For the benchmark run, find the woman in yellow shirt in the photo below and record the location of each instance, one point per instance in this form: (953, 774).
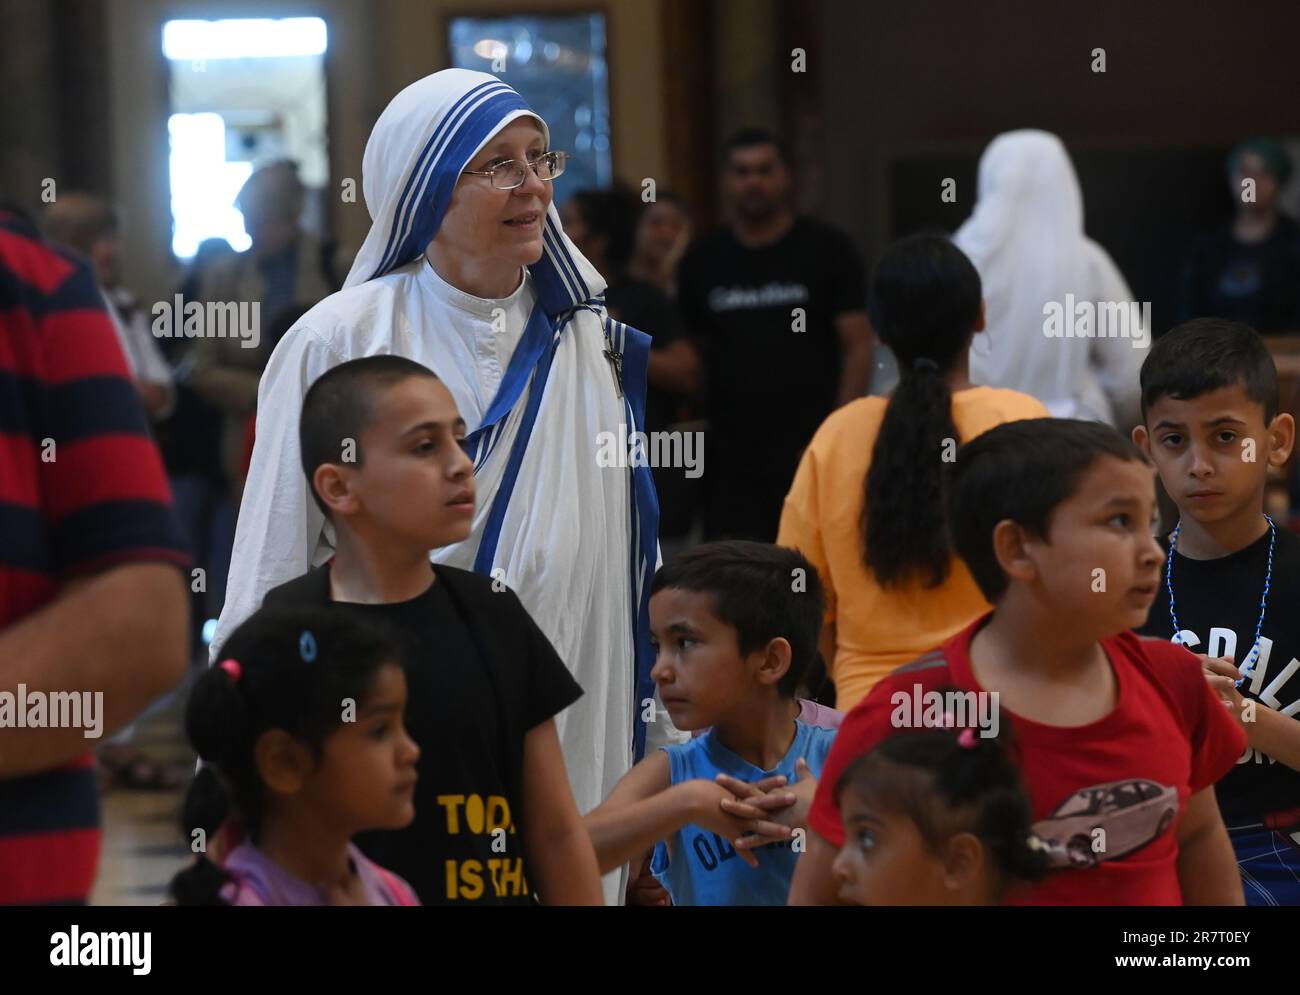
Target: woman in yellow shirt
(867, 502)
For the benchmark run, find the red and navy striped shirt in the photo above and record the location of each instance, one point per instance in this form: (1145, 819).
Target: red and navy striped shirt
(102, 500)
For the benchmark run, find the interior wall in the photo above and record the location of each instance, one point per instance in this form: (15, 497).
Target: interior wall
(689, 62)
(375, 49)
(934, 77)
(83, 98)
(138, 77)
(289, 89)
(53, 101)
(28, 102)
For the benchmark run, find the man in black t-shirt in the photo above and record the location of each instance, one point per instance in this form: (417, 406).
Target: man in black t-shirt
(776, 306)
(495, 819)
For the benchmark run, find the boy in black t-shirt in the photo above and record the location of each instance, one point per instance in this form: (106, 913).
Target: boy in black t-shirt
(495, 818)
(1212, 427)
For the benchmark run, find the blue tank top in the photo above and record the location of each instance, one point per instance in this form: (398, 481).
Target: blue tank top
(704, 868)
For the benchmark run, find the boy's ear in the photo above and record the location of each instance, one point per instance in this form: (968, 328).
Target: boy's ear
(282, 762)
(1281, 439)
(1010, 550)
(979, 322)
(776, 660)
(333, 483)
(1142, 439)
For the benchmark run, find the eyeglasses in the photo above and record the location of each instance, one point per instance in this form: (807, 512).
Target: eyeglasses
(510, 174)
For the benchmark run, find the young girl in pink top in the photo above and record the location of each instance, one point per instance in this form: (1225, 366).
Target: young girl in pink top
(300, 730)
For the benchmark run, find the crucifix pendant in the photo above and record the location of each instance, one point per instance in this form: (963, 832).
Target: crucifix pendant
(616, 364)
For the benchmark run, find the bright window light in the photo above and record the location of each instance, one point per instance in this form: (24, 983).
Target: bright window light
(204, 184)
(243, 38)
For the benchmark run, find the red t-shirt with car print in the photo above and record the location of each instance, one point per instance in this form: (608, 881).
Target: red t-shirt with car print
(1129, 774)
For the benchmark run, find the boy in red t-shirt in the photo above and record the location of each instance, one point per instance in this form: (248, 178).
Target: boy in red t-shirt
(1120, 739)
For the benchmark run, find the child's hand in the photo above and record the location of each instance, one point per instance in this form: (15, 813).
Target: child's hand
(709, 814)
(1222, 677)
(645, 889)
(788, 807)
(758, 799)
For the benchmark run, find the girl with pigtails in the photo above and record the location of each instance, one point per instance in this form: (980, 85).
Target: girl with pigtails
(299, 728)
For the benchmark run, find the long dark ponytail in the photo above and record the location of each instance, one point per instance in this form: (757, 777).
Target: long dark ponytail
(924, 303)
(289, 669)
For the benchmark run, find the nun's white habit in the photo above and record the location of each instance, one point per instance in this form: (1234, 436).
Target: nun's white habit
(1026, 239)
(537, 376)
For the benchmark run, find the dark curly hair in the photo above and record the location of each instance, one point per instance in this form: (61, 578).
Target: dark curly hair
(295, 667)
(945, 789)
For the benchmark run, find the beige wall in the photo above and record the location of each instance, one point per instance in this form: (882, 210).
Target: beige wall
(374, 50)
(28, 107)
(750, 67)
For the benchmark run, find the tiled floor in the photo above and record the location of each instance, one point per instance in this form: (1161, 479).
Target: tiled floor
(143, 844)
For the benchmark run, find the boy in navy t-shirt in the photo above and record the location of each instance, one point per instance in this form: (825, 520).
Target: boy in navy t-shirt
(735, 625)
(1213, 427)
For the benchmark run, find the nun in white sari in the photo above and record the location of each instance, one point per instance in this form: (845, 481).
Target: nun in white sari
(480, 283)
(1060, 322)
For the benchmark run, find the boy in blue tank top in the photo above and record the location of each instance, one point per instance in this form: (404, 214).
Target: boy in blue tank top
(735, 626)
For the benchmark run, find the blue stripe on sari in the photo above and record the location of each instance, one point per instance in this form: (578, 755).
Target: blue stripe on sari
(635, 346)
(487, 547)
(429, 210)
(401, 216)
(578, 287)
(564, 289)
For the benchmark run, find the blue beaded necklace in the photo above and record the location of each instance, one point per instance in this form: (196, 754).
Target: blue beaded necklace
(1263, 601)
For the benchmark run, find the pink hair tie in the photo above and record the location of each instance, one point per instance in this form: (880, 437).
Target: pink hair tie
(967, 739)
(232, 668)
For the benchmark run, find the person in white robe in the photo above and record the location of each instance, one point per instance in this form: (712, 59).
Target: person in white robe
(481, 285)
(1060, 320)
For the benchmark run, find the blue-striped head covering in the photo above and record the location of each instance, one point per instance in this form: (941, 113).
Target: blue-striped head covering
(422, 141)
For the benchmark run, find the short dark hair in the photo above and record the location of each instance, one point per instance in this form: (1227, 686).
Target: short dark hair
(755, 591)
(340, 405)
(1021, 471)
(749, 137)
(1205, 354)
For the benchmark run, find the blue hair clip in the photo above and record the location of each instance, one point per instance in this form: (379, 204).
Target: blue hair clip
(307, 646)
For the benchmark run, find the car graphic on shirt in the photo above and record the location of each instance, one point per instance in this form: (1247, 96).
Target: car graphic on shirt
(1130, 813)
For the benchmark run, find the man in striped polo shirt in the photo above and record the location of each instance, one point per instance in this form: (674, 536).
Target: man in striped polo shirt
(93, 597)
